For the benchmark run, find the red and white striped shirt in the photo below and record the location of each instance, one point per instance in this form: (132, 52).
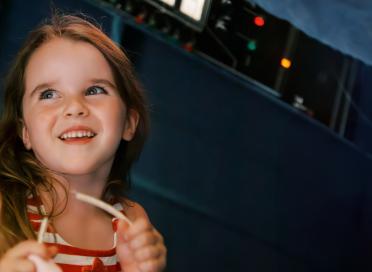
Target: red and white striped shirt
(70, 258)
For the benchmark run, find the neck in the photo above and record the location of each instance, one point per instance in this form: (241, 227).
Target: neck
(90, 184)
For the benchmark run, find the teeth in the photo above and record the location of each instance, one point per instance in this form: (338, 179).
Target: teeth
(77, 134)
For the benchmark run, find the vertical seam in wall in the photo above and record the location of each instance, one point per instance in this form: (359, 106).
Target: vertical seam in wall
(116, 28)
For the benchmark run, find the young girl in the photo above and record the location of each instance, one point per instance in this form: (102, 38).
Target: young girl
(74, 119)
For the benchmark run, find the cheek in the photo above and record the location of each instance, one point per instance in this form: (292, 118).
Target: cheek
(40, 124)
(114, 118)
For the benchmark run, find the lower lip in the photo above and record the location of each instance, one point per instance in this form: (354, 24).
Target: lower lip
(78, 141)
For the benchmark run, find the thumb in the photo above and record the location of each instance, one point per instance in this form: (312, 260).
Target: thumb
(123, 228)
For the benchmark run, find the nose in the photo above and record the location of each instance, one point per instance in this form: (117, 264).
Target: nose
(75, 108)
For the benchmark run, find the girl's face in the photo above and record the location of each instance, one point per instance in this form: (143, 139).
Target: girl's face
(74, 117)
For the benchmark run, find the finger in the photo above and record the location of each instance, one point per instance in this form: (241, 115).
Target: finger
(151, 265)
(52, 251)
(28, 247)
(149, 252)
(123, 225)
(122, 229)
(143, 239)
(163, 262)
(138, 226)
(159, 236)
(24, 265)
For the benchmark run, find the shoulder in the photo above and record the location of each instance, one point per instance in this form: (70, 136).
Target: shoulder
(133, 210)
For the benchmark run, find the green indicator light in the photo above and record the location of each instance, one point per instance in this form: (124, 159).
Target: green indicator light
(251, 45)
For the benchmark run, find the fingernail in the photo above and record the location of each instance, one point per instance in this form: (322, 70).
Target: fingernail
(53, 250)
(125, 223)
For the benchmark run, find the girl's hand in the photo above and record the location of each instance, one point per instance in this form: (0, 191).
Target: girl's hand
(15, 259)
(140, 247)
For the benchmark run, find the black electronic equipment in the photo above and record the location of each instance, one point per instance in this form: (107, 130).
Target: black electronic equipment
(246, 40)
(193, 13)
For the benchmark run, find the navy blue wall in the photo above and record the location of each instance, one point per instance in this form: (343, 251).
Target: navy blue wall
(233, 178)
(19, 17)
(248, 184)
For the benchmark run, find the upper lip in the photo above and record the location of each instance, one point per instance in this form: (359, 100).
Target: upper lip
(77, 128)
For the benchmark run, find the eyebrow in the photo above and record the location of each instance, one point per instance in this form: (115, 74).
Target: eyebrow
(103, 81)
(48, 85)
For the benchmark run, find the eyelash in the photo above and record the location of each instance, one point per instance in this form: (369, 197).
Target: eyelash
(102, 90)
(44, 94)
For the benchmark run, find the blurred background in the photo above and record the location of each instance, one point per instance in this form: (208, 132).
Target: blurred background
(259, 157)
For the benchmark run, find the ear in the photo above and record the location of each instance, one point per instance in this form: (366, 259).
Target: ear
(25, 136)
(130, 125)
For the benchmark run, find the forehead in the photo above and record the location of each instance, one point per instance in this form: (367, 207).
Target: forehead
(62, 59)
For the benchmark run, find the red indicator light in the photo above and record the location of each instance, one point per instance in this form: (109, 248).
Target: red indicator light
(140, 18)
(259, 21)
(189, 46)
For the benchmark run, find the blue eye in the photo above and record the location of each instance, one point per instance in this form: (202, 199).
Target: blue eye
(95, 90)
(48, 94)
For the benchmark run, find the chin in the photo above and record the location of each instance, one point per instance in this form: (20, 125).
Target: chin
(80, 167)
(74, 170)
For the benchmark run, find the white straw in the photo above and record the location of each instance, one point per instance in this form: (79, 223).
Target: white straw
(102, 205)
(42, 229)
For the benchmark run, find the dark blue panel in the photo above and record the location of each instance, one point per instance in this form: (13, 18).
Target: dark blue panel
(223, 148)
(20, 17)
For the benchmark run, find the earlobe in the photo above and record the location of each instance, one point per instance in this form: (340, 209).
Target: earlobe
(131, 125)
(25, 137)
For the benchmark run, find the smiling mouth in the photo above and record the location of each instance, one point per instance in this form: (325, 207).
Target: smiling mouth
(80, 135)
